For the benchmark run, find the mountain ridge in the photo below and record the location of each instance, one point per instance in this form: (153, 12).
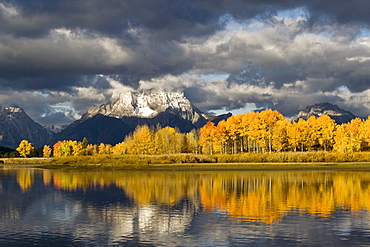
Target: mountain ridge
(16, 125)
(110, 122)
(148, 104)
(155, 107)
(333, 111)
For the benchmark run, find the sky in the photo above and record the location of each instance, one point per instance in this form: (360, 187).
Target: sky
(60, 57)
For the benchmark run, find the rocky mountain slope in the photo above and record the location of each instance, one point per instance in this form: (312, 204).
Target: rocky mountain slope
(149, 104)
(130, 109)
(16, 125)
(112, 121)
(339, 115)
(97, 129)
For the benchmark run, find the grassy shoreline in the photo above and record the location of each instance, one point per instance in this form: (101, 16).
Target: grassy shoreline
(306, 160)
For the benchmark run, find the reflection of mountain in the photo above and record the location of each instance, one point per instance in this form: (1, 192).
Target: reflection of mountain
(179, 208)
(265, 197)
(68, 208)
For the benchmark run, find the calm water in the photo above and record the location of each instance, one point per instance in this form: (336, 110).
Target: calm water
(239, 208)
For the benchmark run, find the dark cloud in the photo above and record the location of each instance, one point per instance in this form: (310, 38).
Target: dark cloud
(173, 18)
(70, 51)
(340, 11)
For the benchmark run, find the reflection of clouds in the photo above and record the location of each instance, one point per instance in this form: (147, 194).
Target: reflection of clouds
(150, 223)
(154, 220)
(119, 220)
(86, 218)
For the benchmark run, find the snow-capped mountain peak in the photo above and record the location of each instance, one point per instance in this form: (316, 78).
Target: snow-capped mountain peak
(147, 104)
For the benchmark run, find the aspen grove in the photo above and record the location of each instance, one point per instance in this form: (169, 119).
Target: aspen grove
(253, 132)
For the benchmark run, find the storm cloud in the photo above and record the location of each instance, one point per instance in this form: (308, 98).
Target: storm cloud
(58, 58)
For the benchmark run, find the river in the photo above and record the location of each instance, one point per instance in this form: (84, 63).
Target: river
(42, 207)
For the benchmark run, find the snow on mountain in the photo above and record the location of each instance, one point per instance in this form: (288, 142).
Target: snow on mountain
(112, 121)
(148, 104)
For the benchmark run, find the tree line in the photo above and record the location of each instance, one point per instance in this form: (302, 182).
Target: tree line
(253, 132)
(268, 131)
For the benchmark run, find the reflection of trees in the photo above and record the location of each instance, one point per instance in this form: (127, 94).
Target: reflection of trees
(256, 196)
(163, 187)
(25, 179)
(268, 197)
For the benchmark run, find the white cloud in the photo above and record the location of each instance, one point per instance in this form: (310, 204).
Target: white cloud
(9, 11)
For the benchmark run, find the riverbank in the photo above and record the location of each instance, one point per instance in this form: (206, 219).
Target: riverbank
(186, 162)
(25, 161)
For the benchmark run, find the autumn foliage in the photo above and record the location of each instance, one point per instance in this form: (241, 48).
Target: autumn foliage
(269, 131)
(262, 132)
(265, 197)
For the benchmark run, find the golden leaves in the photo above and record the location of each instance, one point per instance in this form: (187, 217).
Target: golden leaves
(25, 148)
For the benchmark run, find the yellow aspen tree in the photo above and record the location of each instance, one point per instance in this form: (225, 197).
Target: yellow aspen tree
(224, 137)
(77, 148)
(119, 148)
(312, 132)
(180, 143)
(165, 141)
(104, 148)
(131, 145)
(365, 133)
(206, 137)
(142, 141)
(217, 139)
(56, 149)
(234, 128)
(25, 148)
(340, 139)
(245, 131)
(92, 149)
(279, 135)
(101, 148)
(348, 137)
(183, 143)
(303, 131)
(65, 148)
(325, 131)
(293, 135)
(46, 151)
(269, 119)
(159, 141)
(354, 135)
(193, 141)
(257, 133)
(297, 134)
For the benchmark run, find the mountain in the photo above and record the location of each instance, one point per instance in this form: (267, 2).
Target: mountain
(217, 119)
(97, 129)
(16, 125)
(110, 122)
(339, 115)
(148, 104)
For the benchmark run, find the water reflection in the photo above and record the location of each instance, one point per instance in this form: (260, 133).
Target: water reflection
(172, 208)
(265, 196)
